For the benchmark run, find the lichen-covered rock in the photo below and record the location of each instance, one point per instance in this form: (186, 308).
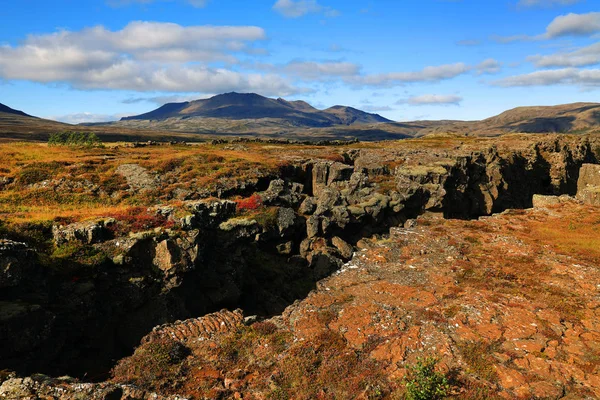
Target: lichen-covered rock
(209, 213)
(138, 178)
(588, 185)
(241, 227)
(541, 201)
(87, 232)
(197, 328)
(344, 248)
(282, 193)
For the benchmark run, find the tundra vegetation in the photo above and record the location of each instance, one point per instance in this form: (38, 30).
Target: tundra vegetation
(446, 306)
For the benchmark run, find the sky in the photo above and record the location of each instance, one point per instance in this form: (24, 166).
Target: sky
(99, 60)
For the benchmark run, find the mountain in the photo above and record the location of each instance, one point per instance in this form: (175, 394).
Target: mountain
(564, 118)
(543, 119)
(8, 110)
(251, 106)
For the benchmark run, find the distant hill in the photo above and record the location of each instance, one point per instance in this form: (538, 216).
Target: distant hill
(547, 119)
(564, 118)
(251, 115)
(8, 110)
(251, 106)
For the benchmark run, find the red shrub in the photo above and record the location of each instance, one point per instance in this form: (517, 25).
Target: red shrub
(251, 203)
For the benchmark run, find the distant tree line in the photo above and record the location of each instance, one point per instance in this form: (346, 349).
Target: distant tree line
(75, 139)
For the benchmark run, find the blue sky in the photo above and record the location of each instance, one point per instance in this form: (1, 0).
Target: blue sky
(96, 60)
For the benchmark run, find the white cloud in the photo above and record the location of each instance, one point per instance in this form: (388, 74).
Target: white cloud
(489, 66)
(574, 24)
(300, 8)
(567, 76)
(86, 117)
(427, 74)
(545, 3)
(143, 56)
(432, 99)
(585, 56)
(563, 25)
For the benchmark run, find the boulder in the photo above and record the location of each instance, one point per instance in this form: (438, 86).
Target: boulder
(346, 251)
(588, 185)
(282, 193)
(308, 206)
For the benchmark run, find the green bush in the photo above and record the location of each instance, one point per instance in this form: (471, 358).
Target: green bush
(79, 139)
(424, 383)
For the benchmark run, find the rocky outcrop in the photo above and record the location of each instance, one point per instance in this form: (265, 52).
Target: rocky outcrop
(213, 255)
(588, 185)
(43, 387)
(541, 201)
(88, 232)
(197, 328)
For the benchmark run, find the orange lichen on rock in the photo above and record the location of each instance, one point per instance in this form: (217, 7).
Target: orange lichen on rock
(507, 314)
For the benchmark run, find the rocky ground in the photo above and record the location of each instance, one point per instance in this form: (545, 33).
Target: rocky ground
(505, 303)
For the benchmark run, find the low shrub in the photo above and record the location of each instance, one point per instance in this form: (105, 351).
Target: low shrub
(250, 203)
(152, 363)
(78, 139)
(423, 382)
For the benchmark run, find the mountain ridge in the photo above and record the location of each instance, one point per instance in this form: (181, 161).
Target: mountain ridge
(236, 106)
(6, 109)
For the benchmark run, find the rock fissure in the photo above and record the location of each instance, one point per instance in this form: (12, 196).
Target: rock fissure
(216, 255)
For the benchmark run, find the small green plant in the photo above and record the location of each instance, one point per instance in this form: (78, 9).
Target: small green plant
(423, 382)
(75, 139)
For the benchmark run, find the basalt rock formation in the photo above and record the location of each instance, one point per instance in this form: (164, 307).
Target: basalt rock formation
(213, 254)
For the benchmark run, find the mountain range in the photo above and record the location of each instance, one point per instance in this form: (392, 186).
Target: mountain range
(239, 106)
(252, 115)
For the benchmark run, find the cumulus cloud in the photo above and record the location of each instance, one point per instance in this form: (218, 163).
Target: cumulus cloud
(574, 24)
(585, 56)
(563, 25)
(566, 76)
(143, 56)
(545, 3)
(432, 99)
(300, 8)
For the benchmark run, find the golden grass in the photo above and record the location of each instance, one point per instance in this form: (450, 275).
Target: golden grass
(578, 235)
